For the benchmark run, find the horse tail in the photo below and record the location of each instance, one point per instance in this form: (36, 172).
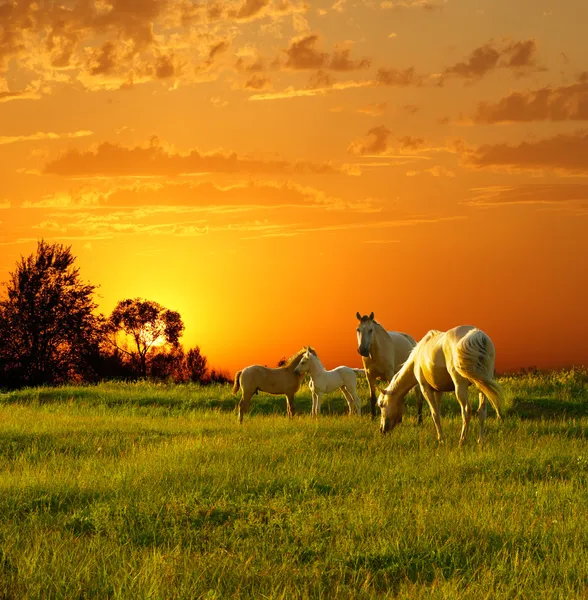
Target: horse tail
(492, 390)
(237, 383)
(474, 360)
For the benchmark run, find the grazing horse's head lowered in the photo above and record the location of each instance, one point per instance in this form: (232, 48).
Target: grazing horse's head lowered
(392, 408)
(365, 331)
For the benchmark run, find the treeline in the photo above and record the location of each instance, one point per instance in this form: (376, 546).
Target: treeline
(51, 332)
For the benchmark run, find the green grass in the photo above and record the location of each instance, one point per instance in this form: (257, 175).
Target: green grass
(155, 491)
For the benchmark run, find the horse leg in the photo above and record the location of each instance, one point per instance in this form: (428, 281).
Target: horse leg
(419, 404)
(461, 391)
(244, 404)
(356, 399)
(313, 411)
(319, 400)
(433, 399)
(290, 405)
(373, 397)
(482, 410)
(348, 397)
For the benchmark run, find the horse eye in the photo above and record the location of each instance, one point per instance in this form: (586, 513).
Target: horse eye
(357, 330)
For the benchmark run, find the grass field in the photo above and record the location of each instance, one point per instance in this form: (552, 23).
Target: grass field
(154, 491)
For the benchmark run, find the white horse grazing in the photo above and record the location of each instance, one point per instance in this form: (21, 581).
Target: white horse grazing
(445, 362)
(383, 353)
(323, 381)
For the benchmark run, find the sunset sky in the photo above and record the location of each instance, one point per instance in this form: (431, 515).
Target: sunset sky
(270, 167)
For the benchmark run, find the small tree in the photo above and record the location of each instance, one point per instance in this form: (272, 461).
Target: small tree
(48, 330)
(196, 365)
(148, 325)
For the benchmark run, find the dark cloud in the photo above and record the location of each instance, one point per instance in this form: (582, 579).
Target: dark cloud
(564, 103)
(397, 77)
(103, 59)
(564, 153)
(258, 82)
(154, 160)
(492, 55)
(303, 54)
(411, 143)
(164, 67)
(375, 142)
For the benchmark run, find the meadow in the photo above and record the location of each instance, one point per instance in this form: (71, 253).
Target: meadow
(145, 490)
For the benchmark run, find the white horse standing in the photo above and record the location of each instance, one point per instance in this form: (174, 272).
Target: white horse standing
(323, 381)
(446, 362)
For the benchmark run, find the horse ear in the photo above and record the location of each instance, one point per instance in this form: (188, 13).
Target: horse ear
(358, 316)
(371, 316)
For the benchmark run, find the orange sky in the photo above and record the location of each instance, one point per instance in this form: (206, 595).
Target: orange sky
(269, 167)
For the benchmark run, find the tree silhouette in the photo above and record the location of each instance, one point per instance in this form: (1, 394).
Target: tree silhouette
(48, 329)
(196, 365)
(148, 324)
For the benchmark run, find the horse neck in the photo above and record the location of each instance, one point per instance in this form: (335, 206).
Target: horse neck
(380, 342)
(315, 367)
(405, 379)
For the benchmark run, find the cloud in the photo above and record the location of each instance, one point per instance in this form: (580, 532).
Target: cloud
(566, 154)
(189, 197)
(303, 54)
(424, 4)
(42, 135)
(397, 77)
(519, 56)
(292, 92)
(114, 160)
(564, 103)
(375, 142)
(373, 110)
(562, 194)
(112, 44)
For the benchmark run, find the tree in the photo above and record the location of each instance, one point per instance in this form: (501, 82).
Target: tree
(196, 365)
(48, 330)
(148, 325)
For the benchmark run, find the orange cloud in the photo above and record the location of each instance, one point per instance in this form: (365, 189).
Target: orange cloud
(302, 54)
(512, 55)
(113, 160)
(375, 142)
(564, 103)
(557, 193)
(398, 77)
(564, 153)
(42, 135)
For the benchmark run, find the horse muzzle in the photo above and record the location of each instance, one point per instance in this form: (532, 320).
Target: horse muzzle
(363, 352)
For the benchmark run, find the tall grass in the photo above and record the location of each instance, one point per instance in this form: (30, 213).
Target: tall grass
(153, 491)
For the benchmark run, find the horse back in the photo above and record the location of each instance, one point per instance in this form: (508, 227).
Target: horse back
(269, 380)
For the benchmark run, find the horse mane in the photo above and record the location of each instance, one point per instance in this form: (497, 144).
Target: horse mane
(295, 358)
(409, 362)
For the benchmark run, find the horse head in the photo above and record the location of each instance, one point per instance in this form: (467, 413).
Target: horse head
(303, 363)
(392, 407)
(365, 332)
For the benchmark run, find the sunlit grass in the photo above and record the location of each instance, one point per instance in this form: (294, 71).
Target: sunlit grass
(155, 491)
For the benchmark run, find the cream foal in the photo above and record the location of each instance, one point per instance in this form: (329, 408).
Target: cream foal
(323, 381)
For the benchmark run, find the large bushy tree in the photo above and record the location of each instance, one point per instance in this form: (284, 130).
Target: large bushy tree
(147, 325)
(49, 331)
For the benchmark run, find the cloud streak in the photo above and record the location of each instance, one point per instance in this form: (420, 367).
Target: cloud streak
(114, 160)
